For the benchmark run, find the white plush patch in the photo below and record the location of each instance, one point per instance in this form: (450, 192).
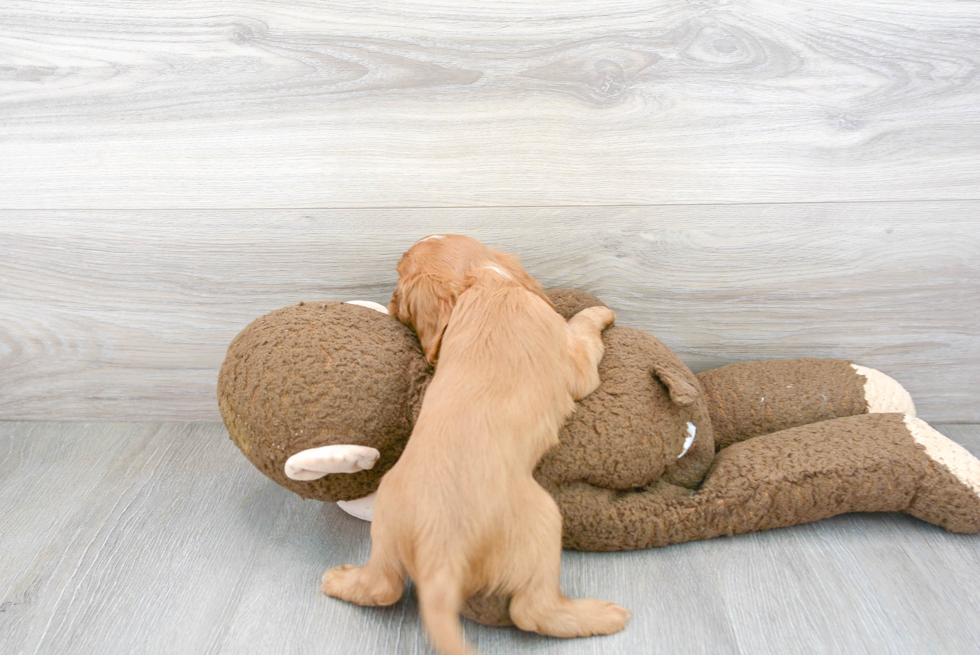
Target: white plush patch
(884, 394)
(315, 463)
(954, 457)
(362, 508)
(692, 431)
(370, 304)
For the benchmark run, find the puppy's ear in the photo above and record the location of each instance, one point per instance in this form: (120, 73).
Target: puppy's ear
(512, 265)
(426, 301)
(394, 307)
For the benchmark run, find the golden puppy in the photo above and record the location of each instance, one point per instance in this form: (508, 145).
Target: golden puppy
(460, 511)
(432, 274)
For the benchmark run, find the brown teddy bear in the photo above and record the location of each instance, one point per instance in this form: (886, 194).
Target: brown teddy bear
(321, 397)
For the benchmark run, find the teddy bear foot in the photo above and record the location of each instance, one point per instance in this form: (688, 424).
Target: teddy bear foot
(949, 494)
(883, 394)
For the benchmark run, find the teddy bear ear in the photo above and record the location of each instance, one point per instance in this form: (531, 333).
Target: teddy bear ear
(315, 463)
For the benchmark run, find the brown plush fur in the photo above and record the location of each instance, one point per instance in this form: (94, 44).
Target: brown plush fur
(281, 391)
(460, 512)
(756, 398)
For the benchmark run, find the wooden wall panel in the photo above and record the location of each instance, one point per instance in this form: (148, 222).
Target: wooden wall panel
(294, 104)
(127, 314)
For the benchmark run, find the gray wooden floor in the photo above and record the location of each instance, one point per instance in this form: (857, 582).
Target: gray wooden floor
(161, 538)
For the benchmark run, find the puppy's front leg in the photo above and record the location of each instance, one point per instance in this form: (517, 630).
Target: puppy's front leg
(586, 348)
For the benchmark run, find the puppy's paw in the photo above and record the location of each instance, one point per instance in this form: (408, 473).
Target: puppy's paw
(362, 585)
(601, 317)
(607, 318)
(607, 618)
(336, 581)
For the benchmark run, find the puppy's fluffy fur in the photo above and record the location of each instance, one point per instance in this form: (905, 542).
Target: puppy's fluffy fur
(460, 511)
(432, 275)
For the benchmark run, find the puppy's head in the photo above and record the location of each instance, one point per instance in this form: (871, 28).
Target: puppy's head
(424, 300)
(434, 273)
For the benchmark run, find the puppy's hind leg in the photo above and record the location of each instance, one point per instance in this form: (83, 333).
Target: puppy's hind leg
(539, 605)
(381, 582)
(369, 585)
(586, 348)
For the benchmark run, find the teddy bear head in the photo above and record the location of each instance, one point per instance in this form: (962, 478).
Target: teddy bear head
(352, 378)
(323, 374)
(630, 433)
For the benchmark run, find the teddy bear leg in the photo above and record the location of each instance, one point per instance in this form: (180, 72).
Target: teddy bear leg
(749, 399)
(949, 492)
(863, 463)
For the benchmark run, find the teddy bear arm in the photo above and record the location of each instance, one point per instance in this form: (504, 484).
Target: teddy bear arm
(749, 399)
(660, 514)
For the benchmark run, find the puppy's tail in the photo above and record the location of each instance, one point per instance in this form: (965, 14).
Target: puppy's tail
(440, 600)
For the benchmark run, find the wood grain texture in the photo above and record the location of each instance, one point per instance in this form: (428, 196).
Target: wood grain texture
(161, 538)
(123, 538)
(131, 320)
(179, 104)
